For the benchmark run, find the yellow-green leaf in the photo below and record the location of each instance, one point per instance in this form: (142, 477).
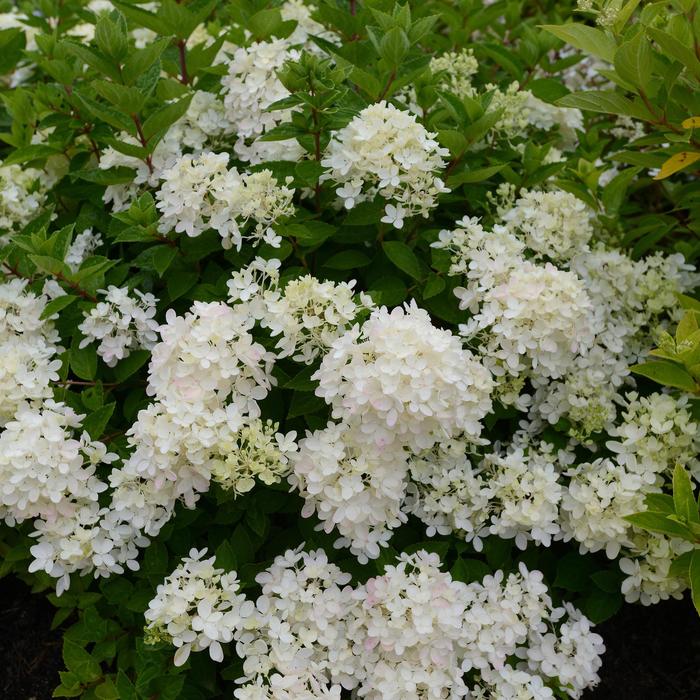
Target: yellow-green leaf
(691, 123)
(677, 162)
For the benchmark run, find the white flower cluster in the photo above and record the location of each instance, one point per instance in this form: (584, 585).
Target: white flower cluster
(28, 347)
(82, 247)
(527, 318)
(206, 375)
(395, 384)
(385, 151)
(412, 632)
(306, 315)
(455, 71)
(203, 123)
(200, 193)
(629, 298)
(400, 379)
(249, 88)
(49, 475)
(22, 196)
(546, 116)
(123, 322)
(43, 470)
(554, 225)
(197, 607)
(298, 630)
(353, 487)
(656, 433)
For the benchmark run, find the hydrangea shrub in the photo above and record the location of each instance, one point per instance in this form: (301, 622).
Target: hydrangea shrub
(349, 349)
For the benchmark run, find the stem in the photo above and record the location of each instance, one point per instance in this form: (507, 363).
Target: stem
(353, 7)
(143, 140)
(387, 86)
(182, 47)
(76, 287)
(317, 154)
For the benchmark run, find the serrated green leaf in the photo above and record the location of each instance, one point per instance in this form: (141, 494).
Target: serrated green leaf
(79, 662)
(666, 373)
(57, 304)
(403, 258)
(659, 522)
(347, 260)
(589, 39)
(683, 497)
(95, 423)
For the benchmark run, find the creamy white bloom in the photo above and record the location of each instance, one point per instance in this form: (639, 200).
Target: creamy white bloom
(199, 193)
(249, 88)
(555, 224)
(123, 322)
(43, 468)
(197, 607)
(385, 151)
(298, 628)
(305, 316)
(22, 195)
(29, 346)
(353, 487)
(207, 357)
(82, 246)
(401, 379)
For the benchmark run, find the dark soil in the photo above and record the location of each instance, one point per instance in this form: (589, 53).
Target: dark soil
(652, 653)
(30, 653)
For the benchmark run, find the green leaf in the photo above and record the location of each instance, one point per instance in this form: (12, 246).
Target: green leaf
(694, 576)
(302, 381)
(599, 606)
(181, 281)
(111, 36)
(226, 556)
(107, 691)
(680, 566)
(633, 61)
(125, 687)
(605, 101)
(659, 522)
(574, 571)
(161, 120)
(106, 113)
(57, 304)
(434, 285)
(660, 502)
(29, 153)
(471, 176)
(469, 570)
(304, 403)
(50, 266)
(127, 99)
(683, 496)
(675, 49)
(666, 373)
(119, 175)
(96, 422)
(140, 60)
(162, 258)
(589, 39)
(80, 662)
(83, 362)
(126, 367)
(394, 46)
(93, 59)
(347, 260)
(403, 257)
